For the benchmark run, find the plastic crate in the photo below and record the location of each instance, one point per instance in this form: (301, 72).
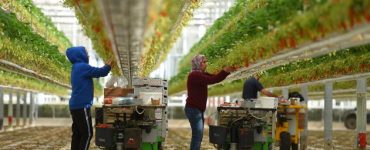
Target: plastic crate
(149, 82)
(217, 134)
(104, 137)
(150, 89)
(132, 138)
(99, 115)
(246, 138)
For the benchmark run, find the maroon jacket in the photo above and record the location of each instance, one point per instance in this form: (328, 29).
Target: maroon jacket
(198, 88)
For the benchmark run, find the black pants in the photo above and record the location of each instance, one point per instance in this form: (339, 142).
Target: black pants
(1, 123)
(82, 130)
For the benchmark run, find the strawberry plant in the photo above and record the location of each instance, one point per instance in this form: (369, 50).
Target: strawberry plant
(27, 12)
(300, 29)
(88, 15)
(24, 47)
(345, 62)
(165, 25)
(15, 80)
(168, 29)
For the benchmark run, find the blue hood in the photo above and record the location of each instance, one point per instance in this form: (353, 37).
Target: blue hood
(77, 55)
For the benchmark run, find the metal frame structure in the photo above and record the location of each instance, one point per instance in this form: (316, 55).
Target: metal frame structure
(357, 36)
(360, 35)
(338, 79)
(21, 95)
(126, 20)
(328, 105)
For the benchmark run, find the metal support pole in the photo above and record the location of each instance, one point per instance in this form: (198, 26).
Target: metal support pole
(1, 108)
(328, 116)
(53, 110)
(24, 115)
(304, 139)
(361, 114)
(18, 109)
(32, 109)
(285, 92)
(172, 112)
(10, 109)
(36, 106)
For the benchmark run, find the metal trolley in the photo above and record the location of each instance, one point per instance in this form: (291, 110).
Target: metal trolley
(243, 128)
(130, 127)
(136, 118)
(289, 125)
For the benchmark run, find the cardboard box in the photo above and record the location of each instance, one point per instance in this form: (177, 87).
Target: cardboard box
(117, 92)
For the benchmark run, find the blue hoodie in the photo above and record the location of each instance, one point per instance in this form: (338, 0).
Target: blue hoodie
(81, 78)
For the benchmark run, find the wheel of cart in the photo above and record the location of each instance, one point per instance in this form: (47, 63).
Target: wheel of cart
(285, 141)
(294, 146)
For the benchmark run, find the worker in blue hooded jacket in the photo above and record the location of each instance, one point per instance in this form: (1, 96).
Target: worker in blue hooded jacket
(82, 75)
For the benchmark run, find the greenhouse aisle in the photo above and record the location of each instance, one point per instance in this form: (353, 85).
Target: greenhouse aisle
(147, 61)
(58, 136)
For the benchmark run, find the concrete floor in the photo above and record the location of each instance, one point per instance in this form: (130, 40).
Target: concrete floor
(50, 122)
(46, 129)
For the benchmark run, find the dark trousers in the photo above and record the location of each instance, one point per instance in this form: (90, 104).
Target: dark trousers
(1, 123)
(82, 130)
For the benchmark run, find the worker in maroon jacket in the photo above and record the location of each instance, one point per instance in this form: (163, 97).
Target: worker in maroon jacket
(198, 80)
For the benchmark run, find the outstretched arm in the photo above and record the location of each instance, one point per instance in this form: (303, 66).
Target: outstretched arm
(100, 72)
(268, 93)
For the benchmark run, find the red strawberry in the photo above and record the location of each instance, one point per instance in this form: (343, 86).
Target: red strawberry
(107, 44)
(164, 14)
(352, 17)
(96, 28)
(261, 52)
(322, 31)
(343, 25)
(367, 16)
(301, 32)
(246, 63)
(282, 43)
(158, 33)
(292, 42)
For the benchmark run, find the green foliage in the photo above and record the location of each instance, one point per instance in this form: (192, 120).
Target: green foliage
(178, 82)
(28, 13)
(15, 80)
(242, 26)
(24, 47)
(88, 15)
(167, 30)
(282, 29)
(344, 62)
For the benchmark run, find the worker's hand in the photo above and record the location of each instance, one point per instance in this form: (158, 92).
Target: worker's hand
(281, 99)
(229, 69)
(110, 62)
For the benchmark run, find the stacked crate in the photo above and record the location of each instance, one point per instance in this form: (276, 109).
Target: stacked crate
(151, 85)
(155, 86)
